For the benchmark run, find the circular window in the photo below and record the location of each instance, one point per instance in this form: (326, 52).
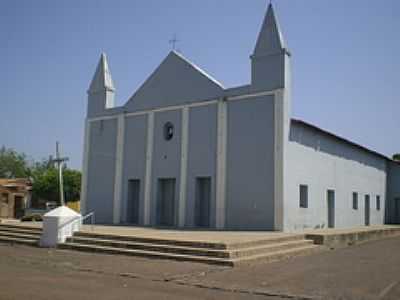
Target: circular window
(168, 131)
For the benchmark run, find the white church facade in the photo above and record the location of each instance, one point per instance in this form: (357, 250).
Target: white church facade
(186, 152)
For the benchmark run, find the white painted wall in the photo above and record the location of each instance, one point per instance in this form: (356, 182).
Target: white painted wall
(323, 163)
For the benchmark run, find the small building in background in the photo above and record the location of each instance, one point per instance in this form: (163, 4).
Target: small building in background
(15, 197)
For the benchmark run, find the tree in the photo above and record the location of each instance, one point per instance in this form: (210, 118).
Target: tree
(396, 157)
(43, 174)
(72, 184)
(13, 164)
(46, 186)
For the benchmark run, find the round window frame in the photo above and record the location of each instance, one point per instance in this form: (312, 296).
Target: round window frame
(168, 131)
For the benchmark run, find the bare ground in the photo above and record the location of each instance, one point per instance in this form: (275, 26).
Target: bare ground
(368, 271)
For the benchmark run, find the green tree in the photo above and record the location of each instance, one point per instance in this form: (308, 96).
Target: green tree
(396, 157)
(43, 174)
(46, 186)
(13, 164)
(72, 184)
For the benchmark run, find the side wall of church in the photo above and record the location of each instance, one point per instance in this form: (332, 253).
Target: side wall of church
(101, 169)
(323, 163)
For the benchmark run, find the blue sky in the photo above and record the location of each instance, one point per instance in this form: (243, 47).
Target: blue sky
(346, 63)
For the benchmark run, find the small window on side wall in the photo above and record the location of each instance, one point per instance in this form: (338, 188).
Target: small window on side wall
(304, 196)
(355, 200)
(378, 203)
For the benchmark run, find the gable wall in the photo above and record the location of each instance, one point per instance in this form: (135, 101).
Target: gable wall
(174, 82)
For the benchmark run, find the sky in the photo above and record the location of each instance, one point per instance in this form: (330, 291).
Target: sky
(345, 61)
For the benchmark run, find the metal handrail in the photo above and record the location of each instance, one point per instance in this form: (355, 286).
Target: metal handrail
(92, 219)
(89, 215)
(69, 222)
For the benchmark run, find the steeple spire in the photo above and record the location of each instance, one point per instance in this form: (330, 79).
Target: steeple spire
(102, 78)
(270, 39)
(101, 90)
(270, 62)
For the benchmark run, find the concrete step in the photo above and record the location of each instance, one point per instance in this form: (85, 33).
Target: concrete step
(147, 254)
(269, 248)
(192, 244)
(339, 238)
(19, 235)
(267, 241)
(278, 255)
(268, 256)
(18, 240)
(219, 253)
(183, 243)
(120, 244)
(6, 226)
(20, 231)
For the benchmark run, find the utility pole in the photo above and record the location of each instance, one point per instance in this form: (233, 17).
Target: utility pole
(60, 161)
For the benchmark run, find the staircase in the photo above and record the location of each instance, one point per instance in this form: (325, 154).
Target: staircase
(19, 234)
(270, 249)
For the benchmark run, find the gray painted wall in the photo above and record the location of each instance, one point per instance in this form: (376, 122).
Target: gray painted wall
(175, 81)
(250, 164)
(166, 156)
(323, 163)
(202, 151)
(101, 170)
(393, 193)
(134, 160)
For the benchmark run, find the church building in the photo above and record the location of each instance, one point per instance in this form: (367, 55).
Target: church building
(186, 152)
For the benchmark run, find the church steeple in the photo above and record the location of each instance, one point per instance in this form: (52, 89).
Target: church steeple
(270, 39)
(101, 90)
(270, 57)
(102, 77)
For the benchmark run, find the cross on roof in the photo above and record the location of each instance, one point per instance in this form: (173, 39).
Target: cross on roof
(174, 41)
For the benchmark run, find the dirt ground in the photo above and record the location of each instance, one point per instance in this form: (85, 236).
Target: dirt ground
(368, 271)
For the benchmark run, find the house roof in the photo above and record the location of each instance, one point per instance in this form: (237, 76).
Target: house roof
(17, 183)
(340, 138)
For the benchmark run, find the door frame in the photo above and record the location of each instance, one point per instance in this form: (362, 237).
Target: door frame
(130, 205)
(198, 203)
(367, 210)
(159, 206)
(331, 207)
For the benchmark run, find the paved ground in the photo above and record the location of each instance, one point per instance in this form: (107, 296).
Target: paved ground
(368, 271)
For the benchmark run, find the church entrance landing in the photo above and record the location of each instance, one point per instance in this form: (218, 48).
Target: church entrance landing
(228, 248)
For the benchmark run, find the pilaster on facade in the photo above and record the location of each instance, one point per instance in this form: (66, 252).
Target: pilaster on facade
(119, 158)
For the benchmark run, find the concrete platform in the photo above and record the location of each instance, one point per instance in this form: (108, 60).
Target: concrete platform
(226, 238)
(339, 238)
(229, 248)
